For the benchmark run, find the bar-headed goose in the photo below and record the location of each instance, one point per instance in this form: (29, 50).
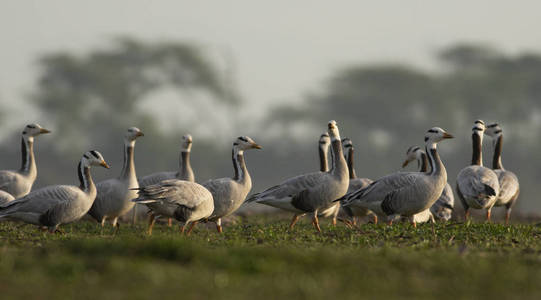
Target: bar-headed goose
(114, 195)
(19, 182)
(230, 193)
(509, 185)
(443, 208)
(355, 184)
(312, 192)
(477, 186)
(187, 202)
(405, 193)
(184, 171)
(54, 205)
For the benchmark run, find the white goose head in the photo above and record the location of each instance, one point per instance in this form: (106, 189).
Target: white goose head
(32, 130)
(435, 135)
(244, 143)
(333, 131)
(93, 158)
(494, 131)
(479, 127)
(186, 143)
(324, 141)
(413, 153)
(132, 134)
(347, 144)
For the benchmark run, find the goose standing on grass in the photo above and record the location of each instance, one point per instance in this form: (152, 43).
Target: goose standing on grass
(312, 192)
(443, 208)
(405, 193)
(114, 195)
(187, 202)
(19, 182)
(184, 172)
(509, 186)
(477, 186)
(355, 184)
(54, 205)
(230, 193)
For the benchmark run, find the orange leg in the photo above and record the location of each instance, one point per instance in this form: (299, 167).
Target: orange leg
(151, 222)
(507, 216)
(169, 222)
(294, 221)
(466, 214)
(191, 227)
(315, 221)
(488, 215)
(219, 225)
(376, 219)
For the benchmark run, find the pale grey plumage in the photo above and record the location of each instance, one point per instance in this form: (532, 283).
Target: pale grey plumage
(405, 193)
(183, 200)
(114, 195)
(19, 182)
(312, 192)
(229, 193)
(5, 197)
(57, 204)
(477, 186)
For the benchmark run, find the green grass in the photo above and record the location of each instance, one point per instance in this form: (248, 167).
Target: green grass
(258, 258)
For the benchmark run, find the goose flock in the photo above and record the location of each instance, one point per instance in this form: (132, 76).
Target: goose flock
(334, 191)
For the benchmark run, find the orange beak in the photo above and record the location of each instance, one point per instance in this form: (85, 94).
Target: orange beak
(104, 164)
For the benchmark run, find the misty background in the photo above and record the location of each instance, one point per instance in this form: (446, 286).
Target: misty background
(276, 72)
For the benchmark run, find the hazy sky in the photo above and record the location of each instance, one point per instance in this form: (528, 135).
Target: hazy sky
(282, 49)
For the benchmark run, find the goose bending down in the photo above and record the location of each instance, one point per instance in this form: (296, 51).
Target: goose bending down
(19, 182)
(509, 186)
(184, 171)
(443, 208)
(229, 193)
(477, 186)
(187, 202)
(114, 195)
(355, 184)
(312, 192)
(405, 193)
(54, 205)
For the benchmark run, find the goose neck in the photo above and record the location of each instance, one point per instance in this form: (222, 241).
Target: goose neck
(239, 165)
(85, 179)
(497, 159)
(185, 167)
(128, 166)
(477, 151)
(323, 163)
(424, 163)
(351, 165)
(28, 163)
(339, 165)
(437, 167)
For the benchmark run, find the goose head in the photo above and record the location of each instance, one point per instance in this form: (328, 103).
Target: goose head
(413, 153)
(244, 143)
(186, 143)
(493, 130)
(94, 158)
(324, 141)
(132, 134)
(333, 130)
(347, 144)
(32, 130)
(435, 135)
(479, 127)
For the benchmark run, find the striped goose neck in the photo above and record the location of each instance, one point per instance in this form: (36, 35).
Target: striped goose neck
(351, 168)
(339, 164)
(128, 166)
(241, 173)
(497, 159)
(424, 163)
(185, 167)
(323, 163)
(28, 163)
(437, 167)
(85, 180)
(477, 154)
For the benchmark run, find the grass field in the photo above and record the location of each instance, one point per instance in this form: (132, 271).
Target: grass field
(258, 258)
